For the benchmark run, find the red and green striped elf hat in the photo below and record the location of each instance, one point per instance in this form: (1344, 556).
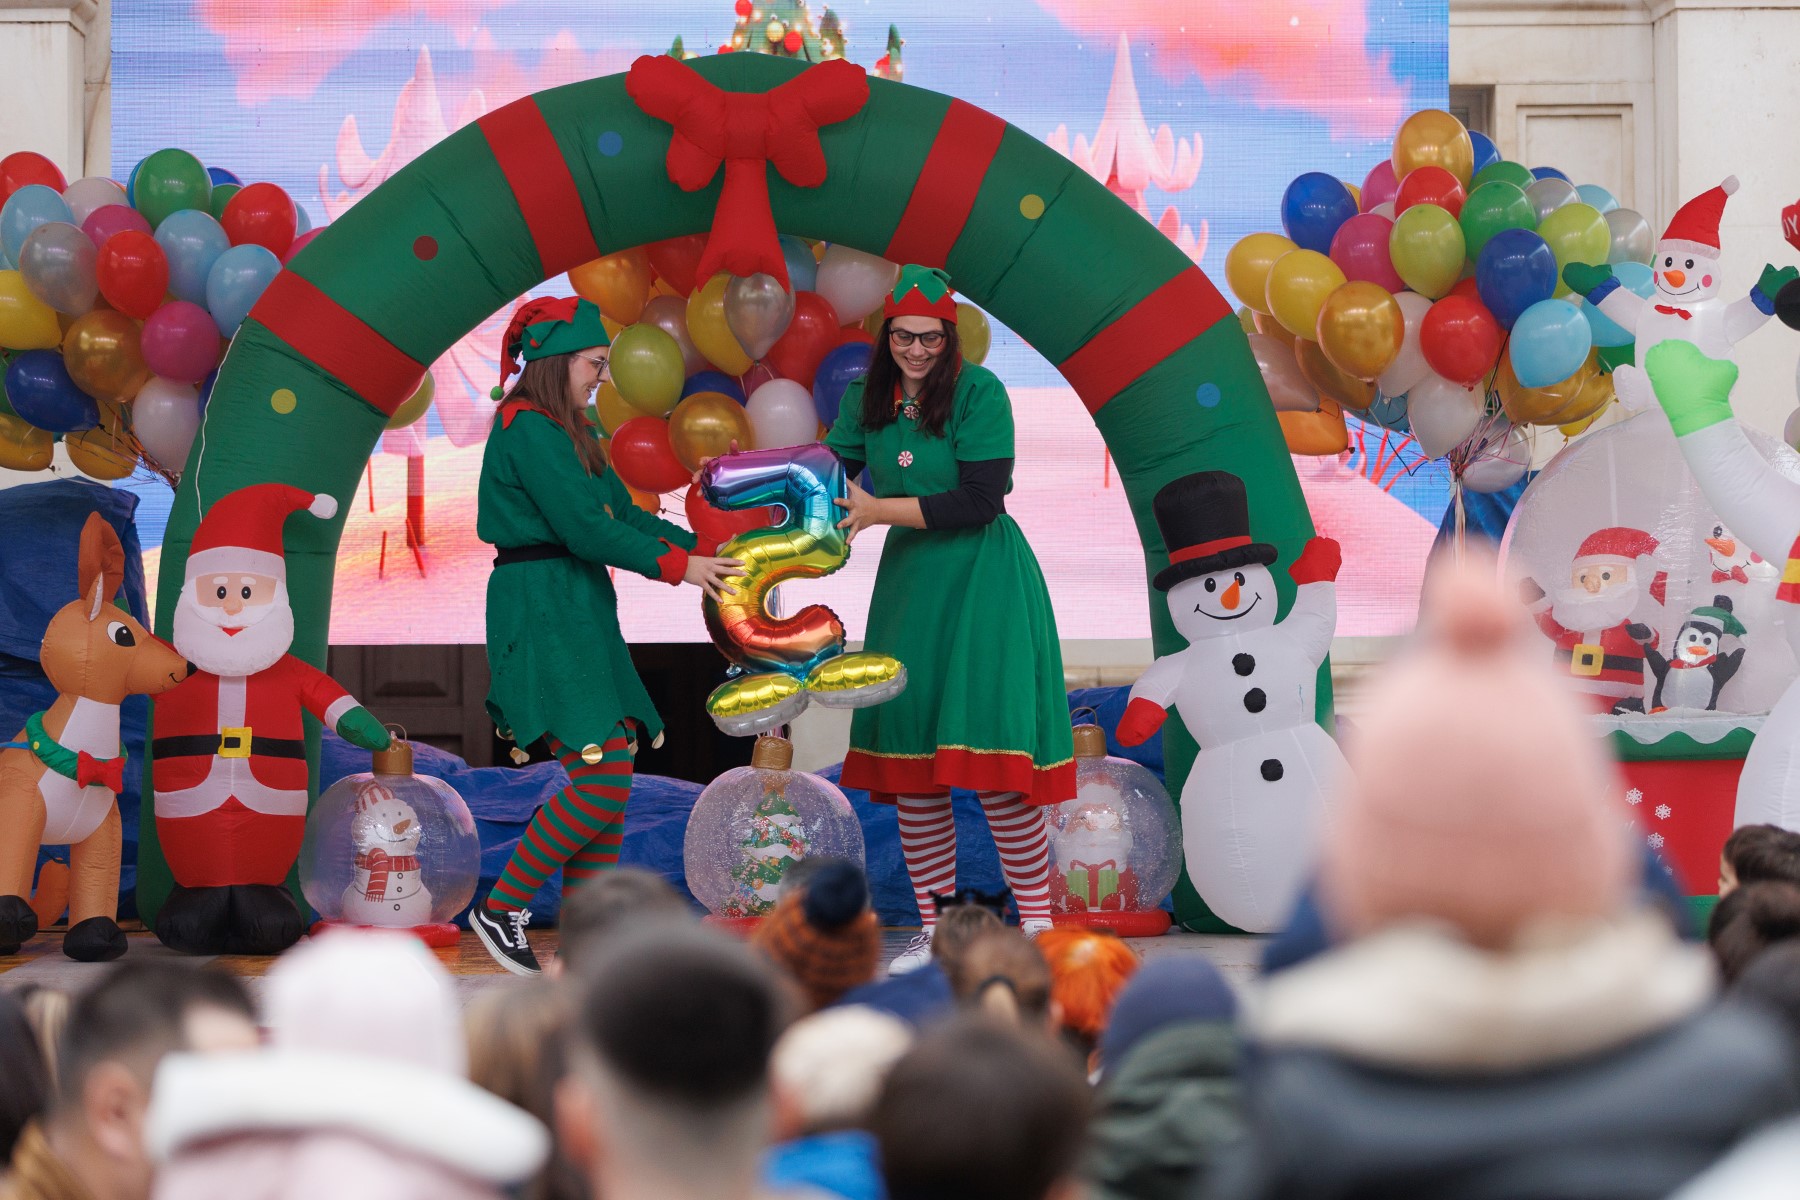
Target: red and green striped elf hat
(546, 326)
(921, 292)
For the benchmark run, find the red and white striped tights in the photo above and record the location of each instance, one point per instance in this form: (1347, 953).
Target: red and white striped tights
(928, 842)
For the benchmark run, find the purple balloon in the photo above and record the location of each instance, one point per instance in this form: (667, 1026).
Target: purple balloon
(109, 219)
(1360, 249)
(181, 342)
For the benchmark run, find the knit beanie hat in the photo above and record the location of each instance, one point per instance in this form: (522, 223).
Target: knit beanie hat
(1479, 793)
(824, 933)
(1165, 992)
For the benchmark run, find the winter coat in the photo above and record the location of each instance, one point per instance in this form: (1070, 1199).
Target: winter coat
(1164, 1115)
(1584, 1064)
(37, 1174)
(842, 1166)
(1766, 1167)
(337, 1164)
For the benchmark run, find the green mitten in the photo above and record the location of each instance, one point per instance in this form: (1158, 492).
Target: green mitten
(360, 728)
(1775, 278)
(1693, 389)
(1583, 278)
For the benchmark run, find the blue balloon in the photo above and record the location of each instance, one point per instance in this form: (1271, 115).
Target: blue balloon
(1549, 342)
(192, 241)
(236, 283)
(1313, 207)
(206, 387)
(40, 391)
(836, 370)
(1634, 277)
(1602, 200)
(30, 206)
(713, 381)
(1516, 270)
(1486, 153)
(1389, 412)
(131, 184)
(1549, 173)
(802, 267)
(218, 175)
(302, 220)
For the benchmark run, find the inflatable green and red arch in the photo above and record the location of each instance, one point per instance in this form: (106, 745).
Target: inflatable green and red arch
(554, 180)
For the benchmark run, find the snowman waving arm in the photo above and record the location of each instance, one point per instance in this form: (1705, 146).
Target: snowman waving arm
(1151, 696)
(1601, 288)
(1744, 317)
(1313, 619)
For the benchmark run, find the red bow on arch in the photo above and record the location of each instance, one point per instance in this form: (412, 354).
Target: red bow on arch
(746, 131)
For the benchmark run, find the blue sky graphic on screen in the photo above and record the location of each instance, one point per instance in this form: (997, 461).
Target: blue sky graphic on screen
(1198, 114)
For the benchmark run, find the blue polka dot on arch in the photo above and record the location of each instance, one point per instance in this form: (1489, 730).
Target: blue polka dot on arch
(611, 143)
(1208, 395)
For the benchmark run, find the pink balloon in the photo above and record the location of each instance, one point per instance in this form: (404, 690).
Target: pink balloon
(1379, 185)
(109, 219)
(1360, 249)
(299, 244)
(181, 342)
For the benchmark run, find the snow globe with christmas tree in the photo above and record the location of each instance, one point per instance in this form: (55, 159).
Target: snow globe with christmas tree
(752, 824)
(1116, 848)
(391, 849)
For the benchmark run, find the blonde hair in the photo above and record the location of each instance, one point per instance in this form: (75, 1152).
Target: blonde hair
(833, 1063)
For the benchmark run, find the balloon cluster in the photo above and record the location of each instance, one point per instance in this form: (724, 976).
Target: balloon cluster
(701, 364)
(116, 304)
(1431, 300)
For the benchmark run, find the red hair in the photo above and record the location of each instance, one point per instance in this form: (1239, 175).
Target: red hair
(1087, 971)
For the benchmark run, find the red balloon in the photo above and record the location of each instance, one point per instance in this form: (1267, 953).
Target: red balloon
(25, 167)
(1429, 185)
(855, 333)
(133, 272)
(716, 526)
(1461, 339)
(642, 456)
(261, 215)
(677, 260)
(1465, 287)
(810, 336)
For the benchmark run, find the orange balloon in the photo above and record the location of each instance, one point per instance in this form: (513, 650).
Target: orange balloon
(1319, 433)
(1432, 137)
(1328, 380)
(704, 425)
(618, 283)
(707, 327)
(648, 501)
(104, 356)
(1361, 329)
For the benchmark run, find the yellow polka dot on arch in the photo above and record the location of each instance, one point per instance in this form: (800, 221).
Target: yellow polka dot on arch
(284, 401)
(1031, 207)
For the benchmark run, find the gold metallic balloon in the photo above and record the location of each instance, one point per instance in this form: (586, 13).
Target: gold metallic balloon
(24, 447)
(104, 356)
(1361, 329)
(704, 425)
(102, 453)
(1595, 394)
(1541, 405)
(618, 284)
(1432, 137)
(753, 703)
(1247, 267)
(1328, 380)
(1321, 433)
(848, 680)
(1267, 324)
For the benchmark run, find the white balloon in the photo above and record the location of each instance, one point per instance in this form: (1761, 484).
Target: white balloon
(166, 416)
(855, 283)
(1443, 414)
(1409, 366)
(1384, 209)
(84, 196)
(1500, 461)
(1790, 432)
(781, 413)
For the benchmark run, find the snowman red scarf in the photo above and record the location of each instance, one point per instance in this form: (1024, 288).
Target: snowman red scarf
(379, 864)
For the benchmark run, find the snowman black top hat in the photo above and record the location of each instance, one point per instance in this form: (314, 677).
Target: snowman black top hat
(1204, 519)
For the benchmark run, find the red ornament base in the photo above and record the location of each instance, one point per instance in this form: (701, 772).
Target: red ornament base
(1684, 809)
(1154, 923)
(439, 935)
(742, 926)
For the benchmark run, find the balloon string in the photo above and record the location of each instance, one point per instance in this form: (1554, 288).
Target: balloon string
(1456, 497)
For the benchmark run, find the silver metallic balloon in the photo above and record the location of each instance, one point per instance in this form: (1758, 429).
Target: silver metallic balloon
(57, 261)
(757, 310)
(1549, 194)
(1632, 238)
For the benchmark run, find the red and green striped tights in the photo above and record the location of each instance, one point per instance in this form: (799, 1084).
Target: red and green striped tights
(580, 829)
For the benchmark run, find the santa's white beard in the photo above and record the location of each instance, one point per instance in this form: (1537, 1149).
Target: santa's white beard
(254, 648)
(1582, 612)
(1093, 847)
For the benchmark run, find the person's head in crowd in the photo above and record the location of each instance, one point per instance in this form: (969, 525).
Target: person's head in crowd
(958, 925)
(1748, 921)
(517, 1036)
(668, 1091)
(1164, 993)
(94, 1132)
(828, 1068)
(603, 904)
(361, 1093)
(823, 932)
(1759, 854)
(1477, 795)
(979, 1110)
(24, 1079)
(1087, 971)
(47, 1009)
(1004, 975)
(1772, 983)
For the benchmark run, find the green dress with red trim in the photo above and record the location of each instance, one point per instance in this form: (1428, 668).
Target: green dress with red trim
(558, 660)
(967, 611)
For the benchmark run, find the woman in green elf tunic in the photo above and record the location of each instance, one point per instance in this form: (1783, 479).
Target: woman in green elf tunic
(960, 600)
(559, 519)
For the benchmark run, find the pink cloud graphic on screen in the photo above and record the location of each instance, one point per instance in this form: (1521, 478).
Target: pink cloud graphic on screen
(1298, 54)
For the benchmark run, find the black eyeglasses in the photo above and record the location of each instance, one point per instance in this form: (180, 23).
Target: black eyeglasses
(906, 337)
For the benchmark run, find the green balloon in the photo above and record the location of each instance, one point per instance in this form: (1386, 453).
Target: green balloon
(647, 369)
(1614, 357)
(221, 196)
(1576, 233)
(6, 408)
(1426, 246)
(169, 181)
(1506, 172)
(1492, 208)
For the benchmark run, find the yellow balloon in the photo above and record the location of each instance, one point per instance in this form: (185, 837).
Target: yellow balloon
(618, 283)
(1319, 433)
(973, 331)
(414, 406)
(104, 356)
(1298, 284)
(611, 409)
(1361, 329)
(1356, 194)
(1247, 267)
(102, 454)
(26, 323)
(1575, 233)
(704, 425)
(707, 327)
(1328, 380)
(24, 447)
(646, 365)
(1434, 138)
(1427, 248)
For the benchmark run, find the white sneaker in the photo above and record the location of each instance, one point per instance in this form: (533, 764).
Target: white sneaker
(1032, 928)
(916, 954)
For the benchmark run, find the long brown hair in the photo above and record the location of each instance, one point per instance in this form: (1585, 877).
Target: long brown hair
(545, 383)
(936, 399)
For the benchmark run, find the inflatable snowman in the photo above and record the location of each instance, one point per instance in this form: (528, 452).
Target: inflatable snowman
(388, 888)
(1250, 810)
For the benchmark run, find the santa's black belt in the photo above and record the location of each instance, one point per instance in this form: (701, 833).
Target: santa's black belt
(518, 554)
(1611, 662)
(209, 744)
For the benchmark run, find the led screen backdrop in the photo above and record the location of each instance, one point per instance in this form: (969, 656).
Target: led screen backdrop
(1197, 113)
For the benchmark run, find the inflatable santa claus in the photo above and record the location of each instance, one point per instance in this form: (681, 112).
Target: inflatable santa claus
(1598, 644)
(229, 755)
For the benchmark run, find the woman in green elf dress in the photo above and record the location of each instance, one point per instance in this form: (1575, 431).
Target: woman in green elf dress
(960, 600)
(560, 519)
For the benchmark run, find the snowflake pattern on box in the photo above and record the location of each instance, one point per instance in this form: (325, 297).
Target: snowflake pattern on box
(1664, 812)
(1655, 840)
(1634, 796)
(775, 842)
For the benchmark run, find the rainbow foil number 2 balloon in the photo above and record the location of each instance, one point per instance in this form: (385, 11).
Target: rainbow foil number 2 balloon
(779, 665)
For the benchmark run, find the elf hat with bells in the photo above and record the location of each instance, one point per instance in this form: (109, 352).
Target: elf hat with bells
(546, 326)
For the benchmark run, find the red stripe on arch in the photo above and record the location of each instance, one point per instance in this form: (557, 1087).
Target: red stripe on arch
(948, 183)
(539, 177)
(338, 342)
(1151, 330)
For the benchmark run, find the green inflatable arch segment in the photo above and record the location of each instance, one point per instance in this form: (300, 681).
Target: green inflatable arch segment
(556, 179)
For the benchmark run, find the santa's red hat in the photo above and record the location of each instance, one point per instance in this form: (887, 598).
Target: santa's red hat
(1625, 545)
(241, 534)
(1695, 229)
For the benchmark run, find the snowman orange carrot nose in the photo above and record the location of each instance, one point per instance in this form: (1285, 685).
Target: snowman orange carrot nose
(1230, 598)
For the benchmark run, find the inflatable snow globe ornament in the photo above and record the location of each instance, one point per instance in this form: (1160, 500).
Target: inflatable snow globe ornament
(1116, 847)
(753, 824)
(391, 849)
